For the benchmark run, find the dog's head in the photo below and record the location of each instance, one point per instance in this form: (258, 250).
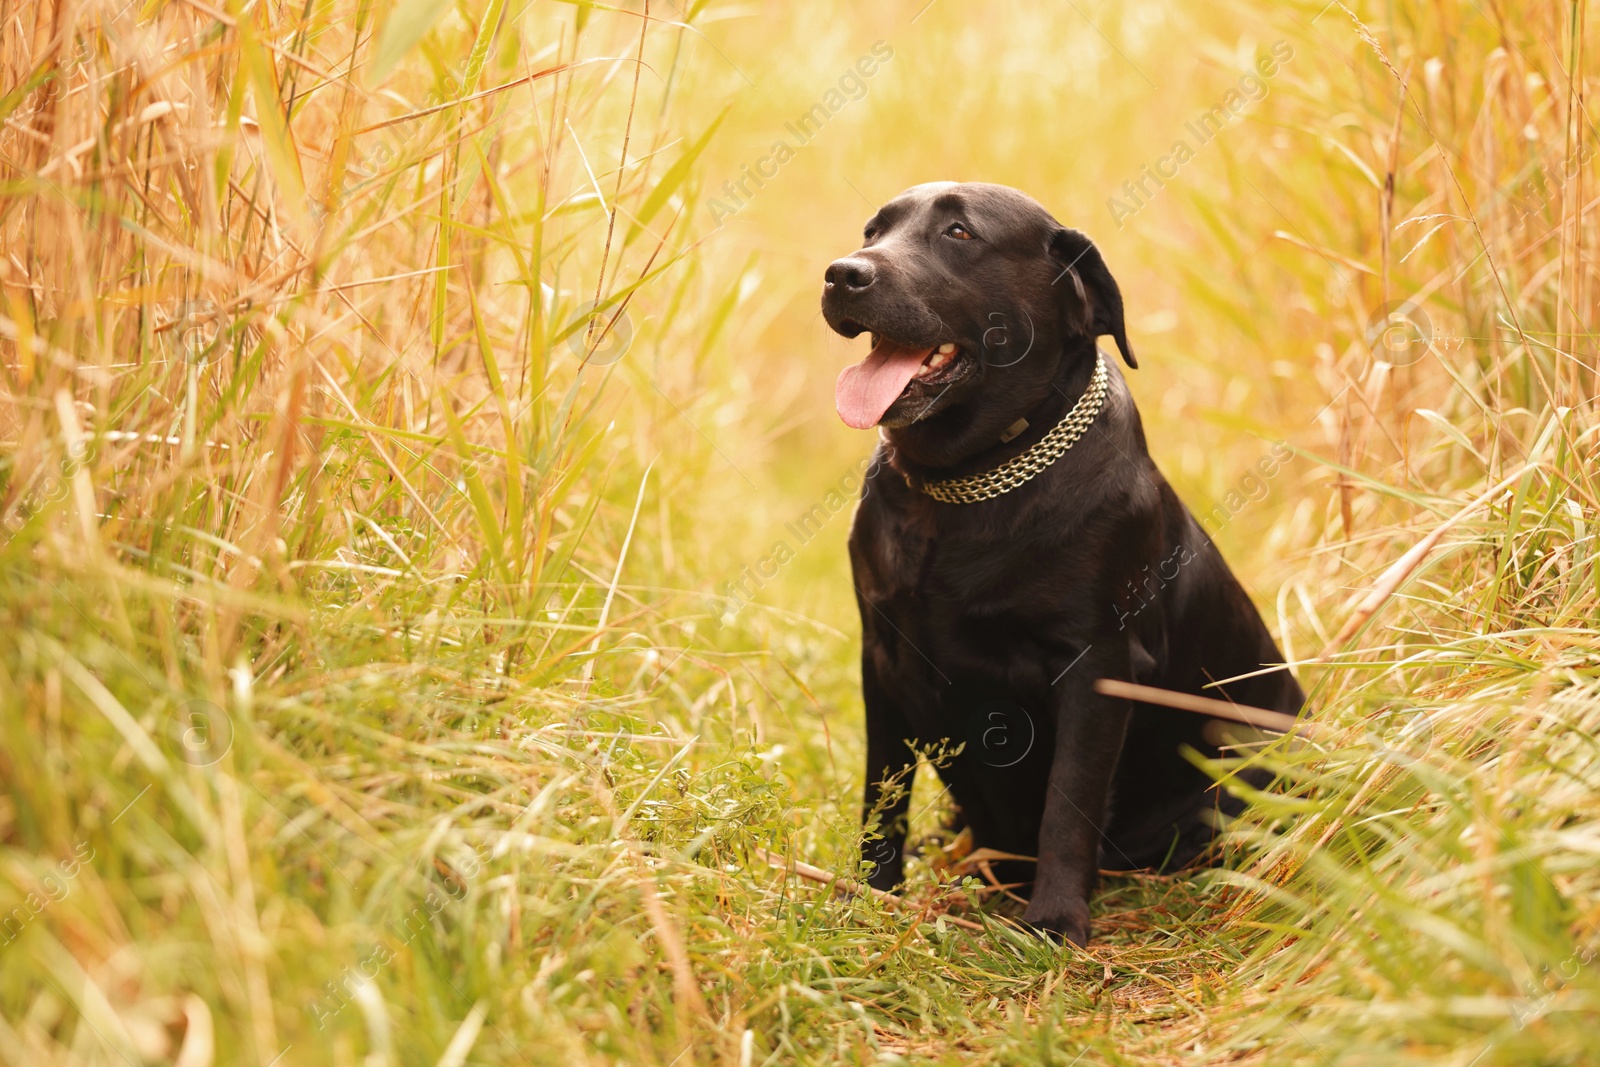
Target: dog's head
(974, 297)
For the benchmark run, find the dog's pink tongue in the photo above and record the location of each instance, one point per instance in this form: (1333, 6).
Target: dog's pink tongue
(864, 392)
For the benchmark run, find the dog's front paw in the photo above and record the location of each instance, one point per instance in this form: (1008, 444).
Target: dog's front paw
(1066, 920)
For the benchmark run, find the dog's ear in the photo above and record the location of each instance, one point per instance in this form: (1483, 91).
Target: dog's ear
(1084, 270)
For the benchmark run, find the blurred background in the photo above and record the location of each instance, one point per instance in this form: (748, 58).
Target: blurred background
(428, 634)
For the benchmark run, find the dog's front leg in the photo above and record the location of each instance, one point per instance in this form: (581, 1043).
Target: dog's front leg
(1089, 732)
(887, 795)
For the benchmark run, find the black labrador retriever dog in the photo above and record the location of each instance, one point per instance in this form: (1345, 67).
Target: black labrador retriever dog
(1016, 543)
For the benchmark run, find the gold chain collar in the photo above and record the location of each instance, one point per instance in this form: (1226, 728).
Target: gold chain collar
(1025, 467)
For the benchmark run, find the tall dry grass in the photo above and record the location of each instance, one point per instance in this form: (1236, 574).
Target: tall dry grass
(373, 689)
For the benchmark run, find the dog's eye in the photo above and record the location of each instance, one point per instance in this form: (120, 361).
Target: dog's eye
(869, 233)
(958, 231)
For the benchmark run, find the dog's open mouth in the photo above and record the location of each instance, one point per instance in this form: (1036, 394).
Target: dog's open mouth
(865, 391)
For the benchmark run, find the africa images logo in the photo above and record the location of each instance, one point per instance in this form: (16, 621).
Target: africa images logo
(852, 85)
(1399, 333)
(606, 338)
(197, 330)
(1206, 127)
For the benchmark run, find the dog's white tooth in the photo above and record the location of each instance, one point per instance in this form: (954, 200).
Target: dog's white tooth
(947, 348)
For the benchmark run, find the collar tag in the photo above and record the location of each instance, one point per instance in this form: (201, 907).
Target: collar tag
(1019, 469)
(1013, 430)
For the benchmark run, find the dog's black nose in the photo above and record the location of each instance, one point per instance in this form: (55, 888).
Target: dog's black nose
(853, 274)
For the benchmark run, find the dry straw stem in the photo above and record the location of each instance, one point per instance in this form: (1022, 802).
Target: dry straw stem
(1261, 718)
(847, 886)
(1396, 574)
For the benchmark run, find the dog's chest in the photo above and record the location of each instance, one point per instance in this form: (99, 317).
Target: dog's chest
(961, 590)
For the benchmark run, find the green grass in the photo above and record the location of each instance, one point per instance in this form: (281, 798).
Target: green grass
(370, 685)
